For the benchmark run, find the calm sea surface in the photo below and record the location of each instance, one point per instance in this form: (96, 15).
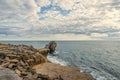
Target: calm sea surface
(99, 58)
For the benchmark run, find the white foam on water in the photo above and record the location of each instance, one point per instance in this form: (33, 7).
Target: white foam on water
(96, 73)
(97, 76)
(56, 52)
(101, 78)
(54, 59)
(102, 75)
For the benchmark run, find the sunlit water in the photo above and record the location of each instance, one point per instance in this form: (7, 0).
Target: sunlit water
(99, 58)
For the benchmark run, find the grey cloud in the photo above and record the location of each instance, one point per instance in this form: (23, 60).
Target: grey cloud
(16, 9)
(81, 30)
(6, 31)
(112, 4)
(24, 11)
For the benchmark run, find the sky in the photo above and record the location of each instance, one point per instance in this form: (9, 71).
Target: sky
(59, 19)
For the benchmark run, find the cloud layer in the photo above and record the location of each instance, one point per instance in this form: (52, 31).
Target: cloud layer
(59, 19)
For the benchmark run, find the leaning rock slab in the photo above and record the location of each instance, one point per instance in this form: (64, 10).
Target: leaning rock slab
(44, 51)
(7, 74)
(57, 72)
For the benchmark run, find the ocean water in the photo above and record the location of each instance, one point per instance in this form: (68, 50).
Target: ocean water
(101, 59)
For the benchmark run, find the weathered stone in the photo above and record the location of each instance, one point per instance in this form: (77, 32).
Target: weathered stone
(35, 76)
(44, 51)
(13, 61)
(55, 71)
(30, 62)
(17, 72)
(44, 77)
(51, 46)
(20, 68)
(2, 56)
(12, 56)
(5, 64)
(22, 63)
(12, 66)
(40, 58)
(24, 73)
(7, 74)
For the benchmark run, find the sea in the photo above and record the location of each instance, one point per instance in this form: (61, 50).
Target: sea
(101, 59)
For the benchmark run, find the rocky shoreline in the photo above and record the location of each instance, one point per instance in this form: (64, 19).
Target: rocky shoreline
(23, 62)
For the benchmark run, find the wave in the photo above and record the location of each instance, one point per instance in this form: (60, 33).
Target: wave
(97, 74)
(54, 59)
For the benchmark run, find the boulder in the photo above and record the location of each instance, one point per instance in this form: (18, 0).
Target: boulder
(7, 74)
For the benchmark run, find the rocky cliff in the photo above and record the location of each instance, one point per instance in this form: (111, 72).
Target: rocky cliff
(22, 62)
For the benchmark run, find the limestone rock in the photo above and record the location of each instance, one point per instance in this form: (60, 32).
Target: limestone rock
(57, 72)
(7, 74)
(18, 72)
(44, 51)
(21, 59)
(32, 64)
(51, 46)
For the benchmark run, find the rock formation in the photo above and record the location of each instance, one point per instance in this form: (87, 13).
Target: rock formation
(51, 46)
(20, 62)
(7, 74)
(21, 59)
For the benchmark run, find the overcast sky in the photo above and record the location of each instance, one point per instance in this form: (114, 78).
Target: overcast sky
(59, 19)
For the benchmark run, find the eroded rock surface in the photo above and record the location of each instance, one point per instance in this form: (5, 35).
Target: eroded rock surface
(21, 59)
(51, 46)
(7, 74)
(27, 63)
(44, 51)
(57, 72)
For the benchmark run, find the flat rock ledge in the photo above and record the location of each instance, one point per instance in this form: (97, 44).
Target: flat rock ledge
(23, 62)
(58, 72)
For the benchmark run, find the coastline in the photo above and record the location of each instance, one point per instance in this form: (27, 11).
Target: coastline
(32, 64)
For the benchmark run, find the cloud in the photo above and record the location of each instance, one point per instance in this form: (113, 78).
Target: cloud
(58, 19)
(48, 37)
(98, 35)
(42, 3)
(18, 10)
